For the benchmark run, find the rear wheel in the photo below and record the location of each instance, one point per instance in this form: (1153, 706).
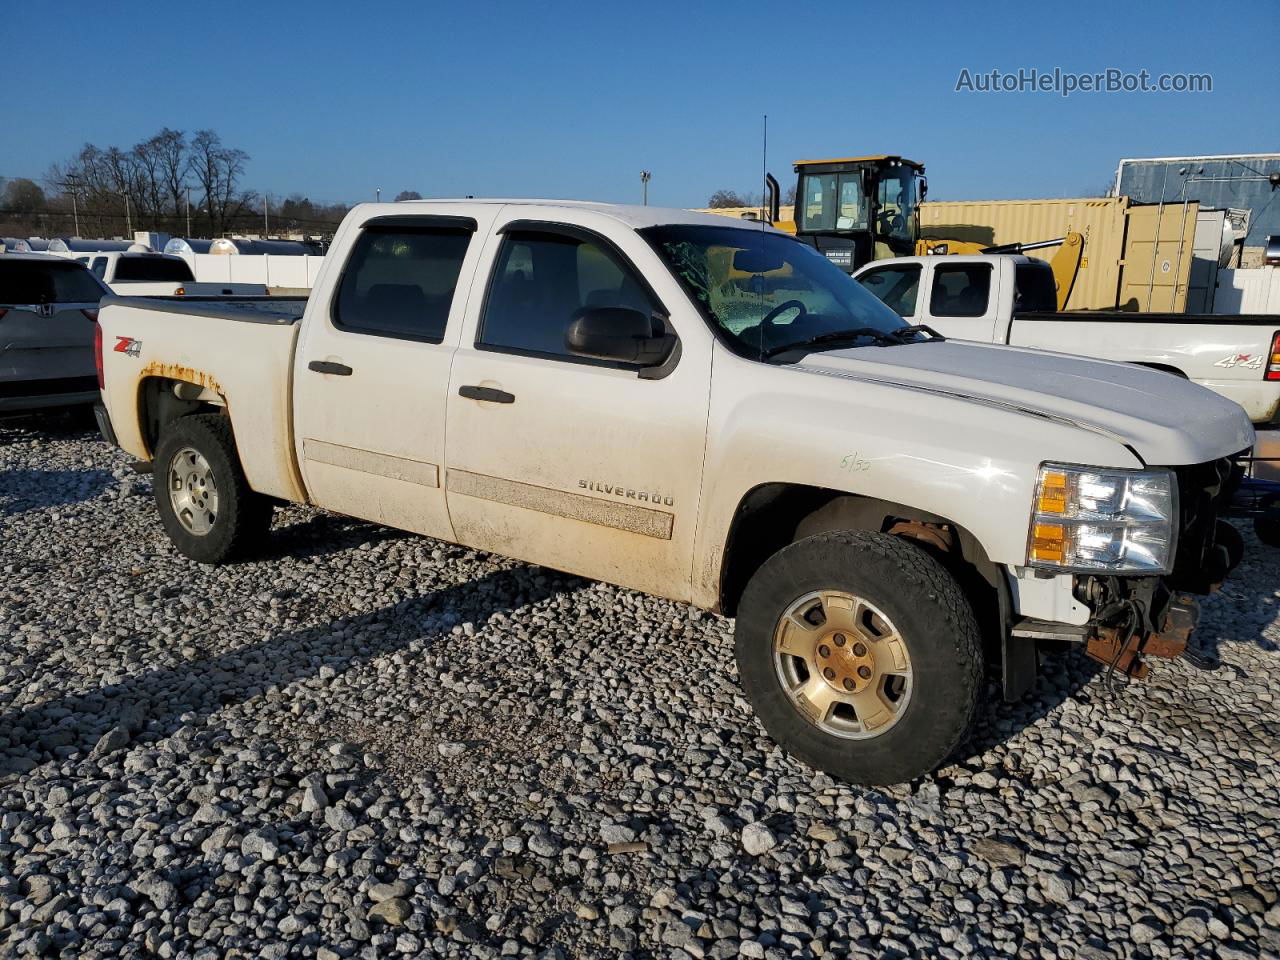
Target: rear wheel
(861, 656)
(204, 501)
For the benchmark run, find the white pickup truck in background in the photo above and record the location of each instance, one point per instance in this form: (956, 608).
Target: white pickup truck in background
(1006, 298)
(711, 412)
(137, 274)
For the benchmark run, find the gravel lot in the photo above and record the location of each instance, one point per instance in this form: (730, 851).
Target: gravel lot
(372, 744)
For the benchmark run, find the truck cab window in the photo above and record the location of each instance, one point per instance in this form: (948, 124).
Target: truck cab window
(832, 201)
(399, 282)
(897, 287)
(1035, 288)
(99, 266)
(542, 280)
(960, 290)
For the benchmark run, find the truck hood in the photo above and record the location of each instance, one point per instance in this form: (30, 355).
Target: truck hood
(1166, 420)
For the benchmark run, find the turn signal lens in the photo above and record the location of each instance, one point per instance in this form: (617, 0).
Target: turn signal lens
(1052, 498)
(1048, 544)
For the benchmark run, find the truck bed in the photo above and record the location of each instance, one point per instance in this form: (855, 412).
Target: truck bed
(238, 350)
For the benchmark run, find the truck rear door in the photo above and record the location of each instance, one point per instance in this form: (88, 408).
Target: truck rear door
(372, 369)
(582, 465)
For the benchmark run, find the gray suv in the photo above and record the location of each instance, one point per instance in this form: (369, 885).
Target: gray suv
(48, 318)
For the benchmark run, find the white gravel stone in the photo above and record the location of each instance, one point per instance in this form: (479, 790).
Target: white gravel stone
(359, 720)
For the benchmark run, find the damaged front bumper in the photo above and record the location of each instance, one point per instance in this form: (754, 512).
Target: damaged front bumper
(1123, 622)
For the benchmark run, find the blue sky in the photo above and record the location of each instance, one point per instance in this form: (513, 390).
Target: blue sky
(568, 99)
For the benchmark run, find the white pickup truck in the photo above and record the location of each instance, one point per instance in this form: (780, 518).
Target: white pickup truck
(138, 274)
(709, 412)
(1006, 298)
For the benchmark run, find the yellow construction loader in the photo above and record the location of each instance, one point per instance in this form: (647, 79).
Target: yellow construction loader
(858, 209)
(855, 209)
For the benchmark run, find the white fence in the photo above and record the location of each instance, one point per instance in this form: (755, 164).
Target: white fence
(1253, 290)
(270, 269)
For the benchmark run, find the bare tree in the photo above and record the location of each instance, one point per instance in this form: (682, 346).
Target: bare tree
(171, 147)
(408, 195)
(726, 198)
(217, 171)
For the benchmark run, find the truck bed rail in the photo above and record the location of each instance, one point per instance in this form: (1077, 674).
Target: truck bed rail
(274, 310)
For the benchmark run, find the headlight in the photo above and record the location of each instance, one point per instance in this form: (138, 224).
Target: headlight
(1096, 520)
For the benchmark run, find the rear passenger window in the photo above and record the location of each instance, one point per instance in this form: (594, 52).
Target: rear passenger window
(960, 290)
(1034, 287)
(99, 266)
(399, 282)
(542, 281)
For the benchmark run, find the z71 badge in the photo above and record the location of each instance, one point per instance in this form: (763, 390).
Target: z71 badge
(128, 346)
(1247, 360)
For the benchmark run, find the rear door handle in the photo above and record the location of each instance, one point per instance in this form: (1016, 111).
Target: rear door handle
(328, 366)
(487, 394)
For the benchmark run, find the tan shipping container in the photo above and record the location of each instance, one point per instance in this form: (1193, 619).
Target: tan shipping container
(1116, 267)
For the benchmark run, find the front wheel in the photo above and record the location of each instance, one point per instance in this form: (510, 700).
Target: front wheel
(204, 501)
(861, 656)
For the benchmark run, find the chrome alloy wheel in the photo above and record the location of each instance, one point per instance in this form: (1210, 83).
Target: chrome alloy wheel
(843, 664)
(192, 491)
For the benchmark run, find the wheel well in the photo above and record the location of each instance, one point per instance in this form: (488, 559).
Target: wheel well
(773, 516)
(161, 400)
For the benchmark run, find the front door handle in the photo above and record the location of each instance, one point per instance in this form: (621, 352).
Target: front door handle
(487, 394)
(328, 366)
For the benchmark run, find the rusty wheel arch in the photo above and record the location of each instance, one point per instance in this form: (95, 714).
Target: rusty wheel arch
(159, 402)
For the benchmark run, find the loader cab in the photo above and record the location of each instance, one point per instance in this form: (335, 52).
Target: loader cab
(859, 209)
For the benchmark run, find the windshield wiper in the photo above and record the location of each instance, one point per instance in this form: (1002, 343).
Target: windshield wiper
(882, 338)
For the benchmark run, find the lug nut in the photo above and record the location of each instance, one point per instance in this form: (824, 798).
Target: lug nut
(848, 684)
(859, 649)
(864, 673)
(824, 651)
(839, 639)
(829, 673)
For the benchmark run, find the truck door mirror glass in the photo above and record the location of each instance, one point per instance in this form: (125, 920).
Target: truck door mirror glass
(620, 334)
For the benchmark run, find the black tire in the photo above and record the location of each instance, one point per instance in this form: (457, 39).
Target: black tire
(932, 615)
(242, 517)
(1267, 526)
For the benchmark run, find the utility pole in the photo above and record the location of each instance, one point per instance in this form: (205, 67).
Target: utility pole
(188, 210)
(644, 186)
(75, 210)
(266, 214)
(128, 219)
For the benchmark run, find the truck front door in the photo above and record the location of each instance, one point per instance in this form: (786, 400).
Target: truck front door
(962, 300)
(578, 464)
(372, 371)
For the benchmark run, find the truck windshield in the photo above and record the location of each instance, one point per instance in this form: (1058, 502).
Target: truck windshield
(832, 201)
(765, 290)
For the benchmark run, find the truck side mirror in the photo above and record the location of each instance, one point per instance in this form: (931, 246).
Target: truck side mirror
(620, 334)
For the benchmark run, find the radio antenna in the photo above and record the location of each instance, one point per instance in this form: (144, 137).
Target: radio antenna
(764, 174)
